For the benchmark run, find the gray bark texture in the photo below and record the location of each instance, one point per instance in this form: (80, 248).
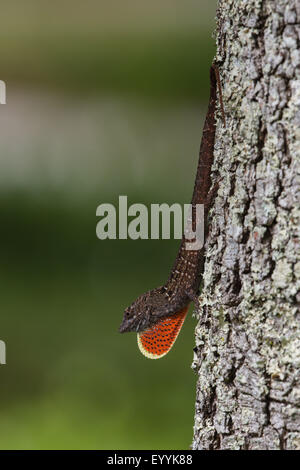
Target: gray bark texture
(247, 350)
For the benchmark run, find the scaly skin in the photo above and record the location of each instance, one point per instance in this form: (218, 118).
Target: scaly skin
(182, 286)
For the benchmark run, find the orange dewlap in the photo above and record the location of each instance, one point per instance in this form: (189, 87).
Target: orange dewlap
(157, 341)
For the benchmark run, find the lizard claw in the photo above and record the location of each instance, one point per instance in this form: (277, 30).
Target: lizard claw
(194, 297)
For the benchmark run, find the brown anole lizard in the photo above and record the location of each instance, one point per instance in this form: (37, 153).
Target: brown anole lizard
(157, 315)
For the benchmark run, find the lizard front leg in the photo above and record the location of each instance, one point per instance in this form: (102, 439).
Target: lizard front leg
(194, 297)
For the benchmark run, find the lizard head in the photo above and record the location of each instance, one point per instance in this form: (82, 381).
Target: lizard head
(150, 308)
(156, 321)
(140, 314)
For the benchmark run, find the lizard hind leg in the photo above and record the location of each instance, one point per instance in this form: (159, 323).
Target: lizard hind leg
(156, 342)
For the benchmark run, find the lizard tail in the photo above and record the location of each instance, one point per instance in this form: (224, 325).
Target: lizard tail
(156, 342)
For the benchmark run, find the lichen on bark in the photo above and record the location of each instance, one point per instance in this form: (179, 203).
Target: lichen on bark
(247, 352)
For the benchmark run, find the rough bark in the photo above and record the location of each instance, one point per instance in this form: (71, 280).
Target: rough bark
(247, 339)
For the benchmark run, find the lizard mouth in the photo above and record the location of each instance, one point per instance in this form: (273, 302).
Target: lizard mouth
(133, 321)
(128, 324)
(124, 326)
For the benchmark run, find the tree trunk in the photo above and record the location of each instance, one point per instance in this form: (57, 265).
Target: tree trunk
(247, 339)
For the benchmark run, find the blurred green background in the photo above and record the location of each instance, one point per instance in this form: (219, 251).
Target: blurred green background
(103, 98)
